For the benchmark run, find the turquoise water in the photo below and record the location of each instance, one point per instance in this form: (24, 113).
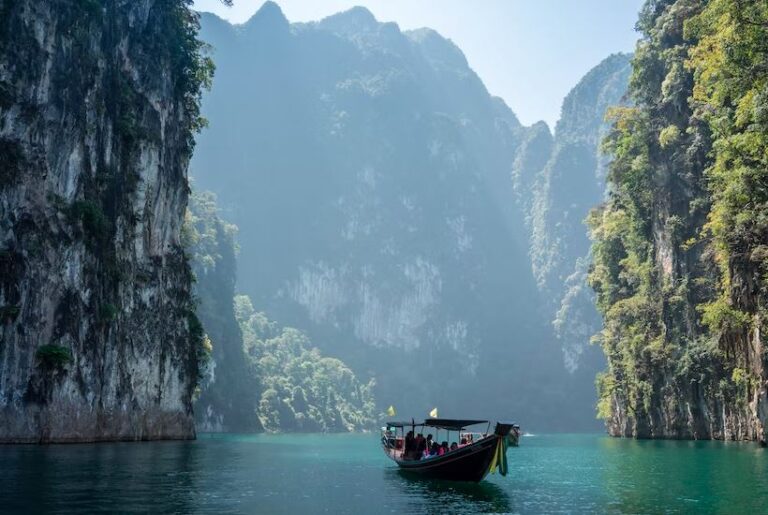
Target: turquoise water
(349, 474)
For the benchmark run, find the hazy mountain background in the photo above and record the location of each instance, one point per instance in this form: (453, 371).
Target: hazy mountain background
(403, 218)
(557, 195)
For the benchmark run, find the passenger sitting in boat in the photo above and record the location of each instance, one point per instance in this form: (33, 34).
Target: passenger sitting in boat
(443, 448)
(435, 449)
(410, 445)
(421, 446)
(463, 442)
(454, 446)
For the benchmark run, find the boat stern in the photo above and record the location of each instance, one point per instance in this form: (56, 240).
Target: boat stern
(510, 431)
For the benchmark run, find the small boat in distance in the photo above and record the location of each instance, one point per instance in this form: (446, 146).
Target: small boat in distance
(477, 455)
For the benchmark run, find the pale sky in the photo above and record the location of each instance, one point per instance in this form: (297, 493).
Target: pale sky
(528, 52)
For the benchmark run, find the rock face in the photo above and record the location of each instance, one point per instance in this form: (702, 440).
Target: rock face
(679, 267)
(96, 112)
(557, 181)
(369, 172)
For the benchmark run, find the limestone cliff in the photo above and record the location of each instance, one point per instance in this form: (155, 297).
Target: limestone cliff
(98, 101)
(679, 262)
(368, 169)
(557, 190)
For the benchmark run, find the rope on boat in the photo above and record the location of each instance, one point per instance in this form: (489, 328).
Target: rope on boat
(499, 460)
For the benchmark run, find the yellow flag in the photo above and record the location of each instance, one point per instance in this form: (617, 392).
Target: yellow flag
(391, 411)
(433, 413)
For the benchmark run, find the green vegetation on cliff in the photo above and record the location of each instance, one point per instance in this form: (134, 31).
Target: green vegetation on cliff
(226, 397)
(678, 246)
(301, 390)
(731, 94)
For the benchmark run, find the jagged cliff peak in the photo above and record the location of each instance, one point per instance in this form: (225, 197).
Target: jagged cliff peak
(583, 108)
(503, 111)
(269, 16)
(540, 126)
(435, 47)
(352, 20)
(214, 21)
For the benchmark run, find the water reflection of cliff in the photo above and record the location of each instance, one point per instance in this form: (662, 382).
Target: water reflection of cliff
(647, 475)
(110, 478)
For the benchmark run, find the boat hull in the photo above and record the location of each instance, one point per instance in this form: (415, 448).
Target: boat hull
(470, 463)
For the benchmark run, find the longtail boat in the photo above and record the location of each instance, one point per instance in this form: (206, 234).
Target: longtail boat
(477, 455)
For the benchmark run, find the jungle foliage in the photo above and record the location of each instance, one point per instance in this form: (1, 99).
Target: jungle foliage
(301, 390)
(679, 247)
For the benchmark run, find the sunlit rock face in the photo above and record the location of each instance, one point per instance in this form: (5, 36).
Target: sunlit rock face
(370, 173)
(94, 287)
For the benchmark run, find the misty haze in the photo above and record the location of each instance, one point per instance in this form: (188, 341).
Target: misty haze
(316, 246)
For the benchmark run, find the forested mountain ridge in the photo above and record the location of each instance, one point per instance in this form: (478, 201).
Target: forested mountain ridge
(369, 171)
(679, 252)
(98, 106)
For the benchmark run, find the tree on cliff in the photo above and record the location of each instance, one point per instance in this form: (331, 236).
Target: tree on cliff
(301, 390)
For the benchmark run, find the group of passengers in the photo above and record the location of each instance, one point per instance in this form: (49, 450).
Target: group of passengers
(418, 447)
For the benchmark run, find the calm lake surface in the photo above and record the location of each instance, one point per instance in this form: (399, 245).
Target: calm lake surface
(349, 474)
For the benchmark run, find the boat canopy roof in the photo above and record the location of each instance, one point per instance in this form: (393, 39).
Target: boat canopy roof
(403, 424)
(452, 424)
